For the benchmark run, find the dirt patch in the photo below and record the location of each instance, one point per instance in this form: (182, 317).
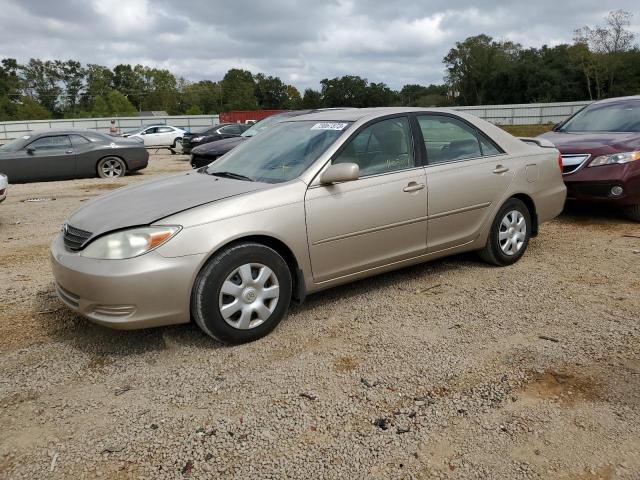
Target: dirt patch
(562, 387)
(345, 364)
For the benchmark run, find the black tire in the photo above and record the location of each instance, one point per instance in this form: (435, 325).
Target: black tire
(633, 212)
(492, 252)
(206, 295)
(111, 167)
(177, 144)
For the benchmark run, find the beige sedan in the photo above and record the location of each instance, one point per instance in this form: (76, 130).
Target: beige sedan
(314, 202)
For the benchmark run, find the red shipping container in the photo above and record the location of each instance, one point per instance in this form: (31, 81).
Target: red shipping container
(245, 115)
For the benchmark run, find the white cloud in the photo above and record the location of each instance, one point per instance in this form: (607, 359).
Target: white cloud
(302, 41)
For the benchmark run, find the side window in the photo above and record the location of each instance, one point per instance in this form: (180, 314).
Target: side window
(57, 142)
(164, 129)
(78, 140)
(447, 139)
(383, 147)
(151, 130)
(230, 130)
(488, 147)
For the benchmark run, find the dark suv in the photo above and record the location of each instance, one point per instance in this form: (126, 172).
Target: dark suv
(600, 148)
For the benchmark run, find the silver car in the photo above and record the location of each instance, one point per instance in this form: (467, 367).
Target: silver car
(314, 202)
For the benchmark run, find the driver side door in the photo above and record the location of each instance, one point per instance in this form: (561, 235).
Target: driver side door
(376, 220)
(45, 158)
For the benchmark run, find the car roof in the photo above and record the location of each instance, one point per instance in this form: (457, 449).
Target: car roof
(355, 114)
(617, 100)
(75, 131)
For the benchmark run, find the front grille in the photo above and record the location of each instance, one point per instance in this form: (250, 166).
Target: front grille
(573, 161)
(74, 238)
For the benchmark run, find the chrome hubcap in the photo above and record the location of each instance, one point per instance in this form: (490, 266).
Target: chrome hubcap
(112, 168)
(249, 296)
(513, 232)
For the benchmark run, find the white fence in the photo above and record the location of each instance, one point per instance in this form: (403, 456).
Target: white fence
(525, 113)
(520, 114)
(10, 130)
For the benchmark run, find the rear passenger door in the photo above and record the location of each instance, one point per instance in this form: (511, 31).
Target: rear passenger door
(467, 174)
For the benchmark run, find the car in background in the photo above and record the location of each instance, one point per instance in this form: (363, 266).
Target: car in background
(64, 154)
(312, 202)
(205, 154)
(159, 136)
(4, 185)
(600, 148)
(211, 134)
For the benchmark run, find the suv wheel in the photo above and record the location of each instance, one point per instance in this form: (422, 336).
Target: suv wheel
(509, 236)
(242, 293)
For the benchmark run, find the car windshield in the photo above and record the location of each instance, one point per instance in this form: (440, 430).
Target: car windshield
(280, 154)
(608, 117)
(15, 144)
(261, 125)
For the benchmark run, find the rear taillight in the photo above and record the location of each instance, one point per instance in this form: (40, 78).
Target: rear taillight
(560, 162)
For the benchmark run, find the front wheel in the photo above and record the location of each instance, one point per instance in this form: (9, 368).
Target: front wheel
(242, 293)
(177, 146)
(509, 235)
(633, 212)
(111, 167)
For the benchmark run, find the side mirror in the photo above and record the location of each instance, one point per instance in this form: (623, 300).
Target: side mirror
(556, 127)
(340, 172)
(30, 150)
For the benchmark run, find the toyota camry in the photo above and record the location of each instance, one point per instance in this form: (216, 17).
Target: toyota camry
(313, 202)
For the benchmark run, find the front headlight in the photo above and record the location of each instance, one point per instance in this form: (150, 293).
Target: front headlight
(618, 158)
(197, 139)
(129, 243)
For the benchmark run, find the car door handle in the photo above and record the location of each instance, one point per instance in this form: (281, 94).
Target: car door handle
(413, 187)
(500, 169)
(68, 151)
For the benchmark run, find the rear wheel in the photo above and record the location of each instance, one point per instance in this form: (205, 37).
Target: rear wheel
(242, 293)
(111, 167)
(509, 235)
(633, 212)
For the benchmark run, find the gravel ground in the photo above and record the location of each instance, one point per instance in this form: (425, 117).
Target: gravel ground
(452, 369)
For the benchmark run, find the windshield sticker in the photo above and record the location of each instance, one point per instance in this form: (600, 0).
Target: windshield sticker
(329, 126)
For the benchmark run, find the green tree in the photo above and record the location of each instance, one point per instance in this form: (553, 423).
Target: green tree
(271, 92)
(29, 109)
(42, 81)
(311, 99)
(238, 90)
(72, 76)
(346, 91)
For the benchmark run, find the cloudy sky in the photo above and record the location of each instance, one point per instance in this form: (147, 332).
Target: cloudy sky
(301, 41)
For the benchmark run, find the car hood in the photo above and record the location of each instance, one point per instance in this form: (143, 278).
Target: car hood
(222, 146)
(148, 202)
(593, 143)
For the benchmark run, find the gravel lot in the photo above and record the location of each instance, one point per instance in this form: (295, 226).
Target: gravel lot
(452, 369)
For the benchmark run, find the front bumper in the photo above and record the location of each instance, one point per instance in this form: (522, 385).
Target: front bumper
(594, 184)
(145, 291)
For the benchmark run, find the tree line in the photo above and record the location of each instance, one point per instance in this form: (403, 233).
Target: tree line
(601, 62)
